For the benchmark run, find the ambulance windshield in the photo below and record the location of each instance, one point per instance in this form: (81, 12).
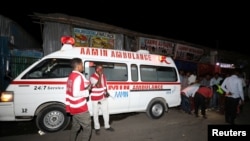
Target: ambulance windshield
(50, 68)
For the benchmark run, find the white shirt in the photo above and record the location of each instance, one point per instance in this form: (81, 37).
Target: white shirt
(191, 79)
(215, 81)
(190, 90)
(233, 84)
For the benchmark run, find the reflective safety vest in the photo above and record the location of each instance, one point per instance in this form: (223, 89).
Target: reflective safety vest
(97, 93)
(75, 105)
(219, 90)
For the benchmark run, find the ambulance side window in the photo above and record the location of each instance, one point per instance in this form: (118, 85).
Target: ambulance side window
(158, 73)
(148, 73)
(50, 68)
(118, 73)
(166, 74)
(134, 72)
(113, 71)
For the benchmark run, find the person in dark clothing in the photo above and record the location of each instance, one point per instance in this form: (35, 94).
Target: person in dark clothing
(202, 95)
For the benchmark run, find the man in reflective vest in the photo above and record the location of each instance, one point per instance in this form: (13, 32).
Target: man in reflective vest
(99, 99)
(76, 102)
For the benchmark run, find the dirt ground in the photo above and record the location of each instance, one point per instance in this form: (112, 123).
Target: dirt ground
(174, 125)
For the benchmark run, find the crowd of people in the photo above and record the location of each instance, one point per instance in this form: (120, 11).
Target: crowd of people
(225, 94)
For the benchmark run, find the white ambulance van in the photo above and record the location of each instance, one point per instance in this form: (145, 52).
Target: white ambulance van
(137, 82)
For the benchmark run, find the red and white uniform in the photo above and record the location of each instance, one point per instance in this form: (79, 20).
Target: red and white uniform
(97, 93)
(99, 101)
(76, 94)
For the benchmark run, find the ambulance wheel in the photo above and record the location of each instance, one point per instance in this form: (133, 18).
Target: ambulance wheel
(156, 109)
(52, 119)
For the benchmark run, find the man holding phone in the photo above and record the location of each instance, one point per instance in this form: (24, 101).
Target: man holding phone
(99, 95)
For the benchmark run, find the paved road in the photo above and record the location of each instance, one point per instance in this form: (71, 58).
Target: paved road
(175, 125)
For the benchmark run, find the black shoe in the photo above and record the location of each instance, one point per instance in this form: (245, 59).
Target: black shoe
(110, 129)
(97, 131)
(204, 116)
(196, 115)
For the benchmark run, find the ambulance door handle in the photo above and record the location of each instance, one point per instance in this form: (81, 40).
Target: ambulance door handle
(24, 85)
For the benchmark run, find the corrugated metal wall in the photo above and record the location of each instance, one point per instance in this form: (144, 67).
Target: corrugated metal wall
(52, 34)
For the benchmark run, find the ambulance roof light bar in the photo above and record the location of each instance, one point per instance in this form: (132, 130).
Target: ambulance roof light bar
(67, 42)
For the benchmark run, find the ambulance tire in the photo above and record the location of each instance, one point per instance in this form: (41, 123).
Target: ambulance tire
(52, 119)
(156, 109)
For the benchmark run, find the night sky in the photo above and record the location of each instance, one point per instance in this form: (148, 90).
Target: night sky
(215, 28)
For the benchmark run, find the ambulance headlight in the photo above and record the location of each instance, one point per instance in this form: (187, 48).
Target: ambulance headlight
(7, 96)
